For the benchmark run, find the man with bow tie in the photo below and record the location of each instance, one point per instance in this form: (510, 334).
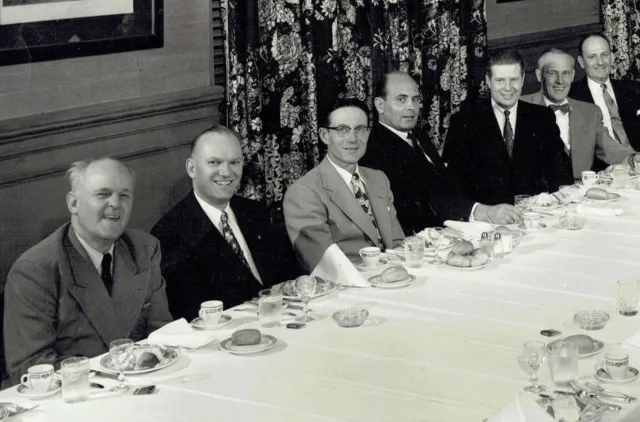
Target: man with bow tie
(581, 127)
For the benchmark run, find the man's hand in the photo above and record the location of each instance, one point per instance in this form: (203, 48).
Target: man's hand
(497, 214)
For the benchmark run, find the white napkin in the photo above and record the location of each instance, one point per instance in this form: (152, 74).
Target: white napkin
(522, 408)
(335, 266)
(470, 230)
(599, 209)
(180, 333)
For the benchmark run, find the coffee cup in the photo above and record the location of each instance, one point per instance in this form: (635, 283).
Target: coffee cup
(370, 256)
(531, 219)
(589, 178)
(38, 378)
(615, 363)
(210, 311)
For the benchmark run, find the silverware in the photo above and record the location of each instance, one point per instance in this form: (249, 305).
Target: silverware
(107, 375)
(95, 385)
(585, 396)
(612, 394)
(14, 409)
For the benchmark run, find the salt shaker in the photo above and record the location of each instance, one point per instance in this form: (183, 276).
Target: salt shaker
(486, 243)
(498, 247)
(507, 243)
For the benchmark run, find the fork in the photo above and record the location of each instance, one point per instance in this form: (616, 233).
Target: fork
(610, 393)
(14, 409)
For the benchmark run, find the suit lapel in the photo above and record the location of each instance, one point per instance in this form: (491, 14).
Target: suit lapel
(576, 130)
(378, 207)
(342, 196)
(251, 234)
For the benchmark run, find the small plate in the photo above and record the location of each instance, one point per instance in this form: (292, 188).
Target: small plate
(632, 375)
(382, 263)
(376, 281)
(171, 356)
(4, 413)
(613, 197)
(266, 343)
(25, 391)
(598, 346)
(541, 226)
(199, 323)
(479, 267)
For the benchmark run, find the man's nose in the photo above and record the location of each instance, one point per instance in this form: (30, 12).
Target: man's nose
(224, 169)
(114, 201)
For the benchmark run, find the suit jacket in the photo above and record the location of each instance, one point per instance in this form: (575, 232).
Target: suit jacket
(199, 265)
(56, 304)
(477, 154)
(425, 194)
(627, 98)
(320, 210)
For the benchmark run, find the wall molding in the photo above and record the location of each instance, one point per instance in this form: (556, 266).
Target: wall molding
(550, 38)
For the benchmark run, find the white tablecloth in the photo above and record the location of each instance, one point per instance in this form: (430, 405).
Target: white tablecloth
(443, 349)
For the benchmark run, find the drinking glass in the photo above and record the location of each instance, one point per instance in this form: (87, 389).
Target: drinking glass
(121, 352)
(534, 356)
(563, 363)
(628, 297)
(437, 237)
(413, 251)
(269, 307)
(522, 202)
(564, 194)
(620, 175)
(75, 379)
(305, 287)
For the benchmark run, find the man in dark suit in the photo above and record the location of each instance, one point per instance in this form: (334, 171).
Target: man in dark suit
(425, 192)
(339, 202)
(90, 282)
(506, 147)
(619, 100)
(215, 244)
(580, 123)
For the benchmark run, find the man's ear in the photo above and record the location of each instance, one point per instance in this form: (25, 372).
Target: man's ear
(190, 165)
(324, 135)
(379, 103)
(539, 75)
(72, 202)
(581, 61)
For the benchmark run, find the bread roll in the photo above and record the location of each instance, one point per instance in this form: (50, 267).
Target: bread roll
(596, 193)
(463, 248)
(456, 261)
(246, 337)
(481, 255)
(503, 230)
(146, 360)
(394, 273)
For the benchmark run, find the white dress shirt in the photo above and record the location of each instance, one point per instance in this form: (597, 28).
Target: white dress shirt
(405, 137)
(346, 176)
(215, 215)
(598, 98)
(499, 113)
(95, 255)
(562, 120)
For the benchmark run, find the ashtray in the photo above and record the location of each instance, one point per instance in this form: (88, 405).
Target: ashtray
(591, 320)
(351, 317)
(575, 222)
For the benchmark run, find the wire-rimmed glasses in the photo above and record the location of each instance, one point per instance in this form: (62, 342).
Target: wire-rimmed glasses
(344, 130)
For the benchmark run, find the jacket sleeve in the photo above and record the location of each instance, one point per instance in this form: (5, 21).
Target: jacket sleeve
(558, 170)
(608, 149)
(158, 311)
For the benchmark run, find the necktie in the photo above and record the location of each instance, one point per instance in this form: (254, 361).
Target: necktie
(564, 108)
(419, 148)
(507, 133)
(362, 198)
(105, 272)
(227, 233)
(616, 123)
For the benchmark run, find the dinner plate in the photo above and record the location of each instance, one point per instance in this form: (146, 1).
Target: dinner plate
(4, 413)
(631, 375)
(541, 226)
(376, 281)
(612, 198)
(597, 347)
(547, 208)
(200, 324)
(171, 356)
(328, 287)
(25, 391)
(382, 263)
(479, 267)
(266, 343)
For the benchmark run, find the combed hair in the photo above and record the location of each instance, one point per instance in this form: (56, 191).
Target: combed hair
(341, 103)
(215, 129)
(553, 50)
(501, 57)
(76, 171)
(380, 89)
(586, 37)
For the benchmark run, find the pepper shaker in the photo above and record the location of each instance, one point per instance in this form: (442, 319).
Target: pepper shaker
(498, 247)
(486, 243)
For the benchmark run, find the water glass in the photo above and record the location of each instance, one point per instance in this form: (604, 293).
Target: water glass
(534, 356)
(305, 287)
(620, 175)
(121, 352)
(75, 379)
(628, 297)
(563, 363)
(437, 237)
(522, 202)
(413, 251)
(269, 307)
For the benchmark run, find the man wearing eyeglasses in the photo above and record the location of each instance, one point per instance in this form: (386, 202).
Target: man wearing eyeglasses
(339, 202)
(580, 123)
(426, 193)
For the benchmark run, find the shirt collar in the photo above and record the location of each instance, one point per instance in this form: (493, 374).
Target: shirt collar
(212, 212)
(344, 174)
(593, 85)
(548, 103)
(94, 255)
(513, 110)
(403, 135)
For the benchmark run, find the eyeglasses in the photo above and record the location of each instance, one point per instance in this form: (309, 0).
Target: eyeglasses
(555, 75)
(344, 130)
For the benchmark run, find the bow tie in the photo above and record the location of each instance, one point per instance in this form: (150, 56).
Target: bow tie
(564, 108)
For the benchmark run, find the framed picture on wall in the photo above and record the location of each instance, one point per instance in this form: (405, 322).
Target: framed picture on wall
(41, 30)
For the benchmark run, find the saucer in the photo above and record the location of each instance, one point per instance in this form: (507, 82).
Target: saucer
(632, 374)
(266, 343)
(541, 226)
(597, 347)
(199, 323)
(25, 391)
(382, 263)
(376, 281)
(4, 413)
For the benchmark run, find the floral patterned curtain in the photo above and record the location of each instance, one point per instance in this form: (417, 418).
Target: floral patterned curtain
(621, 20)
(290, 58)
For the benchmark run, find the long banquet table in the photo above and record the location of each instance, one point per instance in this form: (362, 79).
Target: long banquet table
(442, 349)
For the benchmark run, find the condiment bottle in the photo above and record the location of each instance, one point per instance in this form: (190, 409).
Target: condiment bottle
(507, 243)
(498, 247)
(486, 243)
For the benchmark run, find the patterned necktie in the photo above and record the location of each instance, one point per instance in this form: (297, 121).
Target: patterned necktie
(105, 272)
(508, 132)
(362, 198)
(616, 123)
(564, 108)
(227, 233)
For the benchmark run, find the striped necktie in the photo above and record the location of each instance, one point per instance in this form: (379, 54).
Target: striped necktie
(508, 132)
(616, 122)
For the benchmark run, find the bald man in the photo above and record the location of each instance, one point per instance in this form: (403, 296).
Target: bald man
(581, 129)
(89, 283)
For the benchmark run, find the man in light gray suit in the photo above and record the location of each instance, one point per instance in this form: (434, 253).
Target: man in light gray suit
(90, 282)
(339, 202)
(580, 123)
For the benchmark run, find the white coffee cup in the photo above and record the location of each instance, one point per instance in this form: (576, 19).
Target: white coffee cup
(531, 219)
(210, 311)
(615, 363)
(370, 256)
(38, 378)
(589, 178)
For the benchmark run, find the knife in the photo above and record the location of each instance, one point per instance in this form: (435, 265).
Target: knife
(107, 375)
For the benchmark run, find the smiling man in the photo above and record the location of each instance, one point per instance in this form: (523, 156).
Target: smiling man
(505, 147)
(339, 202)
(215, 244)
(91, 282)
(580, 123)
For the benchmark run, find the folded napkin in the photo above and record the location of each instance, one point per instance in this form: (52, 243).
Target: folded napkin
(469, 230)
(335, 266)
(180, 333)
(523, 408)
(599, 209)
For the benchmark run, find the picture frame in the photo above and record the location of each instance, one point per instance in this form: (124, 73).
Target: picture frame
(53, 38)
